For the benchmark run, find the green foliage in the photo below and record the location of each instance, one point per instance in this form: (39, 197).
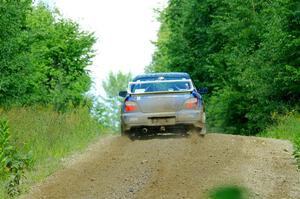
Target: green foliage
(245, 52)
(228, 192)
(12, 162)
(115, 83)
(42, 56)
(108, 110)
(48, 136)
(60, 52)
(287, 127)
(14, 62)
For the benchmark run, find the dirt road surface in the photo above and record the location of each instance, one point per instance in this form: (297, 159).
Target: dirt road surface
(176, 167)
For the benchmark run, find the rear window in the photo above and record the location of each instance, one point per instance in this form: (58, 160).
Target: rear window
(160, 86)
(160, 78)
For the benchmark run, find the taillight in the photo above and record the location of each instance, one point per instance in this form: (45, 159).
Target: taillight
(130, 106)
(191, 103)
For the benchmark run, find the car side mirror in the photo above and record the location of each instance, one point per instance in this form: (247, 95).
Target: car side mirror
(123, 93)
(203, 90)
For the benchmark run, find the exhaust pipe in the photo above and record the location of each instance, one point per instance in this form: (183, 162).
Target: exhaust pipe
(145, 130)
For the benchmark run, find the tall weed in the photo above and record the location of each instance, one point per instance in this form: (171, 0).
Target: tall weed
(12, 162)
(287, 127)
(49, 136)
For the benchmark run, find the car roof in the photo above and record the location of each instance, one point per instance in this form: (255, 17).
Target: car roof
(154, 76)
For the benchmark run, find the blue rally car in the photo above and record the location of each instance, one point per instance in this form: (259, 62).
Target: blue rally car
(157, 102)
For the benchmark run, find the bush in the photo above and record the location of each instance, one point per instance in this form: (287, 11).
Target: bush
(246, 53)
(48, 136)
(12, 162)
(287, 127)
(229, 192)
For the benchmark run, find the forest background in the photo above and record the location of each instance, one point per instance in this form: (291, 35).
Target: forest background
(246, 52)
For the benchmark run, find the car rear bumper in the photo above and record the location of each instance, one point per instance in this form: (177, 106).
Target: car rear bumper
(184, 117)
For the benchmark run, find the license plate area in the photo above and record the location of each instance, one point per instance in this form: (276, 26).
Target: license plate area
(163, 120)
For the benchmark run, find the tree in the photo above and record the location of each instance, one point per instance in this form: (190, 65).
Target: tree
(108, 109)
(42, 56)
(60, 52)
(247, 53)
(15, 68)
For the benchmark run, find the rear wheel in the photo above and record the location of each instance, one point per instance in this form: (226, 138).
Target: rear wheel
(203, 129)
(128, 133)
(124, 132)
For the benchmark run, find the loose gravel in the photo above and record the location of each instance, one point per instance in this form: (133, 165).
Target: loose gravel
(171, 167)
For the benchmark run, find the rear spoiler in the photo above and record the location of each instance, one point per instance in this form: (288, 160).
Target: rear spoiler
(160, 81)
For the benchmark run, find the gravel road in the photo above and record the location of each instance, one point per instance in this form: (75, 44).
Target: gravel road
(176, 167)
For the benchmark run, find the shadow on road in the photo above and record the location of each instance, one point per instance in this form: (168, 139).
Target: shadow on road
(165, 135)
(158, 136)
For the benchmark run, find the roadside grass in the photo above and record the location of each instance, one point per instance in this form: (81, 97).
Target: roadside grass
(229, 192)
(48, 136)
(3, 193)
(288, 127)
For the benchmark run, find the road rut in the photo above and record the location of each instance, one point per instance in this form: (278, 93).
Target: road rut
(173, 167)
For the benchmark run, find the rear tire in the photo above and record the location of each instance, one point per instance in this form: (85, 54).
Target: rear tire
(124, 132)
(203, 129)
(129, 133)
